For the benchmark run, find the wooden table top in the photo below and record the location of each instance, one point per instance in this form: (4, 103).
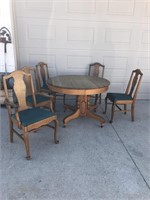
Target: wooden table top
(78, 84)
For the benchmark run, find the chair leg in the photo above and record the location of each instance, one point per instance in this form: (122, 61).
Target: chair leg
(112, 112)
(132, 111)
(125, 108)
(54, 102)
(11, 131)
(95, 103)
(56, 132)
(51, 106)
(64, 98)
(105, 105)
(27, 146)
(100, 98)
(96, 98)
(64, 102)
(76, 101)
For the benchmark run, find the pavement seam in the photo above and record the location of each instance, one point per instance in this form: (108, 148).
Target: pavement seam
(128, 152)
(130, 156)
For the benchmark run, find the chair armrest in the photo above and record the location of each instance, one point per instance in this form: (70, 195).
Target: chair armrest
(45, 95)
(7, 102)
(15, 106)
(51, 99)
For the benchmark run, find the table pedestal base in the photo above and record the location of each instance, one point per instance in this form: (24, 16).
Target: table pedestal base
(83, 110)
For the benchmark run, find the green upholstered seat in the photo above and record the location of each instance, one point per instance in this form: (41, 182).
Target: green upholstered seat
(118, 96)
(33, 115)
(39, 98)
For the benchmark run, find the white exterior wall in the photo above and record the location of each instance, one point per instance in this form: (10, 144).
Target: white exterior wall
(7, 59)
(71, 34)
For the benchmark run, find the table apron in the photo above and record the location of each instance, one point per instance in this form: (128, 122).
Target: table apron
(78, 91)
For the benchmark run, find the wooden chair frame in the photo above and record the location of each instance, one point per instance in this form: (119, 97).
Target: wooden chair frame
(45, 103)
(42, 76)
(14, 111)
(131, 91)
(94, 70)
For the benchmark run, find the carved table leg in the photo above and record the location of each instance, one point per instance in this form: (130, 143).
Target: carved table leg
(96, 117)
(83, 110)
(75, 115)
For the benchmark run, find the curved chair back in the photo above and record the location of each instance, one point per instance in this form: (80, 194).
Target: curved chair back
(37, 99)
(42, 75)
(134, 83)
(19, 87)
(96, 69)
(32, 71)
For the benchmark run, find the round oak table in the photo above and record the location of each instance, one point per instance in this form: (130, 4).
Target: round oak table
(83, 87)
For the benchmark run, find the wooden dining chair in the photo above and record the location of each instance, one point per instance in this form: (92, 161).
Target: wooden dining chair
(42, 75)
(96, 69)
(127, 98)
(38, 99)
(23, 117)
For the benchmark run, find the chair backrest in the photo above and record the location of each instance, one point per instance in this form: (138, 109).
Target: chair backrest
(32, 71)
(42, 74)
(96, 69)
(134, 83)
(19, 86)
